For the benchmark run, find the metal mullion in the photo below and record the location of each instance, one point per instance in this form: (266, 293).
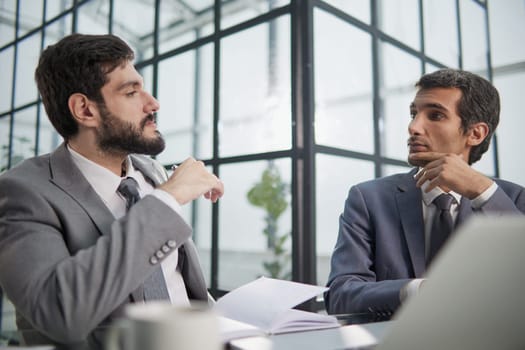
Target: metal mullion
(216, 36)
(376, 99)
(460, 41)
(196, 100)
(42, 27)
(422, 36)
(155, 63)
(214, 263)
(303, 163)
(74, 21)
(264, 18)
(491, 78)
(342, 15)
(38, 108)
(111, 15)
(196, 118)
(13, 86)
(251, 157)
(179, 50)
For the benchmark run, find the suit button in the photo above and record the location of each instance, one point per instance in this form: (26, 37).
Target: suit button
(171, 243)
(153, 260)
(165, 248)
(159, 254)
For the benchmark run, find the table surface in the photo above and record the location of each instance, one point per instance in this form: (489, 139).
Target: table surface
(355, 336)
(357, 331)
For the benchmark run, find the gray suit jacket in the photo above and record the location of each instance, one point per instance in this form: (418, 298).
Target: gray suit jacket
(381, 243)
(66, 264)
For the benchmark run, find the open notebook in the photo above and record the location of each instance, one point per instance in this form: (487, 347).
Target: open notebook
(474, 297)
(265, 306)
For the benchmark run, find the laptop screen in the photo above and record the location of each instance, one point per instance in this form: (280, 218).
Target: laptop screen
(474, 297)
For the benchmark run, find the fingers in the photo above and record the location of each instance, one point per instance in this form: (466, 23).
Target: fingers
(215, 188)
(216, 191)
(191, 179)
(428, 175)
(443, 172)
(432, 178)
(190, 162)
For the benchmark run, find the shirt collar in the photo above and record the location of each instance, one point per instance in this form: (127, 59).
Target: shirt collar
(103, 181)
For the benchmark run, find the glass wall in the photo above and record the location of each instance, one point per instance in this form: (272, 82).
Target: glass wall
(508, 61)
(289, 102)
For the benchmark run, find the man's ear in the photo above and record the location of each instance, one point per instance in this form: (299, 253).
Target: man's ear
(477, 133)
(82, 109)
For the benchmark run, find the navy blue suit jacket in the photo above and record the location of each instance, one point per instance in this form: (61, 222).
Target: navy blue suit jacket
(381, 244)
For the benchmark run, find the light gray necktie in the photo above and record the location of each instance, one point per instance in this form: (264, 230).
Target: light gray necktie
(442, 225)
(155, 285)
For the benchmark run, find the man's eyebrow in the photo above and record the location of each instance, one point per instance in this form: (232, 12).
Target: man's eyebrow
(129, 83)
(435, 106)
(432, 105)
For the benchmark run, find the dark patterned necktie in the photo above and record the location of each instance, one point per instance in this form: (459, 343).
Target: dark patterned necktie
(442, 225)
(155, 285)
(129, 189)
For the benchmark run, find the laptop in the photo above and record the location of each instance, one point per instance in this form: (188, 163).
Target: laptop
(474, 297)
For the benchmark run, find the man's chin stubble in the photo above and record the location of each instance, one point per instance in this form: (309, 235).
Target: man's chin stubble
(417, 163)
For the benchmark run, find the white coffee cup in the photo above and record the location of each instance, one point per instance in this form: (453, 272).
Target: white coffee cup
(162, 326)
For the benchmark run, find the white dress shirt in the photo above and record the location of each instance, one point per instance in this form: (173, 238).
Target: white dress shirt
(429, 212)
(105, 184)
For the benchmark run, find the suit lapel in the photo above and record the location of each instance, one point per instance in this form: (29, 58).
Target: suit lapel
(66, 175)
(408, 201)
(150, 169)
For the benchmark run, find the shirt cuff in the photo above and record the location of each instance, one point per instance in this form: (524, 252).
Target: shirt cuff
(483, 198)
(167, 199)
(410, 289)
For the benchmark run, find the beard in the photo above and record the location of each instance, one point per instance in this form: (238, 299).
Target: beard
(119, 136)
(417, 163)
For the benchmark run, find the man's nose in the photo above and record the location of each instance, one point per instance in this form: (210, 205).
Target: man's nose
(416, 125)
(151, 105)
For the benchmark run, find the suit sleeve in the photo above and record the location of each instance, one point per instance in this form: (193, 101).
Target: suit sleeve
(63, 295)
(353, 283)
(508, 199)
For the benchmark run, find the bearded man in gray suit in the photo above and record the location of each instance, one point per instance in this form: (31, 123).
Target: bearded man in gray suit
(73, 251)
(386, 234)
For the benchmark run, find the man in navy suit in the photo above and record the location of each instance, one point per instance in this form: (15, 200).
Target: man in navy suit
(383, 247)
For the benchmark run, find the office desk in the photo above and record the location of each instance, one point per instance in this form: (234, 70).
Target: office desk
(358, 331)
(356, 336)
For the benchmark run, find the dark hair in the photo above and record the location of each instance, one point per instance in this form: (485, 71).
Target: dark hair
(77, 64)
(479, 101)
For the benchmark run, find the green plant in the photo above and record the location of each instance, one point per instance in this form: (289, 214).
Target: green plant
(271, 194)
